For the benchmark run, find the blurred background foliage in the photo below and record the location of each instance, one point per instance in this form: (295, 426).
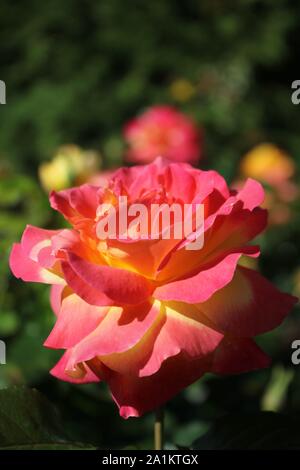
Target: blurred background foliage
(75, 73)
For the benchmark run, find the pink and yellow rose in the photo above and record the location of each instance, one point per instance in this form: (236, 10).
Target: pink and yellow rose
(148, 316)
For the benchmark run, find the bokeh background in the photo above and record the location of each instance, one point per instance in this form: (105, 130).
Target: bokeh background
(75, 73)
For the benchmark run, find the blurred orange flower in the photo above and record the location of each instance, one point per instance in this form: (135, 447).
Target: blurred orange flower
(275, 169)
(268, 164)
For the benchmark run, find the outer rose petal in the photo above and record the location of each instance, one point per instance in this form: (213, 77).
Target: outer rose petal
(36, 241)
(56, 292)
(135, 396)
(75, 321)
(31, 258)
(81, 374)
(248, 306)
(252, 194)
(28, 270)
(119, 285)
(237, 355)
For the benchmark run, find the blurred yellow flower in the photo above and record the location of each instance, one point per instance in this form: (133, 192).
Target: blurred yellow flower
(267, 163)
(274, 168)
(70, 166)
(182, 90)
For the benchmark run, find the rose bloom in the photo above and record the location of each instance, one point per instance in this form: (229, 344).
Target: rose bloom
(275, 169)
(148, 316)
(70, 166)
(164, 131)
(269, 164)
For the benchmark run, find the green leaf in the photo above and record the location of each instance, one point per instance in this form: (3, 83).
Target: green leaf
(264, 430)
(29, 421)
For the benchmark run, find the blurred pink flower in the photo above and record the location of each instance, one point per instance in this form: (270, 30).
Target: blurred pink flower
(163, 131)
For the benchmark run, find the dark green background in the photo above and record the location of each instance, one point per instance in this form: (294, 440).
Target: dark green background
(76, 71)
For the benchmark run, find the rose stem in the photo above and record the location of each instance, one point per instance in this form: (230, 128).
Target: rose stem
(159, 429)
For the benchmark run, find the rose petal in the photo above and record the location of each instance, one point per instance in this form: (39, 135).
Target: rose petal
(203, 285)
(80, 375)
(237, 355)
(119, 285)
(120, 330)
(135, 396)
(82, 200)
(75, 321)
(28, 270)
(56, 292)
(177, 329)
(248, 306)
